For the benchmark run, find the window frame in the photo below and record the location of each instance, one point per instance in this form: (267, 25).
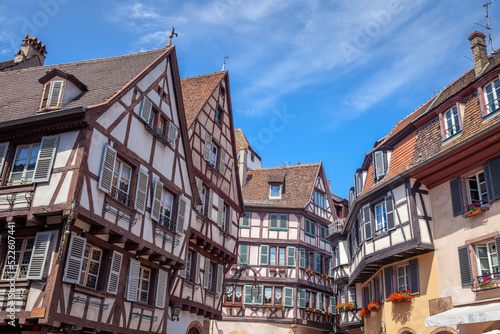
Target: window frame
(84, 274)
(246, 217)
(26, 164)
(19, 261)
(219, 116)
(489, 254)
(480, 183)
(115, 191)
(271, 186)
(310, 228)
(496, 101)
(384, 228)
(46, 106)
(456, 122)
(319, 199)
(142, 279)
(405, 276)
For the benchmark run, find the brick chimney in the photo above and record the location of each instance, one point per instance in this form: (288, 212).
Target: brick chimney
(478, 45)
(31, 47)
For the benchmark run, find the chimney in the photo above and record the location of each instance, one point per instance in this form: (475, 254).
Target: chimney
(31, 47)
(478, 45)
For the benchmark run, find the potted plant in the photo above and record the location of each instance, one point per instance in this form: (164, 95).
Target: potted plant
(474, 209)
(364, 313)
(485, 281)
(350, 306)
(400, 297)
(374, 306)
(339, 306)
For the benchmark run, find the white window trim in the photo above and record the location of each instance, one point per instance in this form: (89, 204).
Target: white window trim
(496, 99)
(384, 228)
(271, 190)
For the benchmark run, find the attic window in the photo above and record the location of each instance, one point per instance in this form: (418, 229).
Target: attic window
(359, 181)
(52, 93)
(381, 161)
(275, 190)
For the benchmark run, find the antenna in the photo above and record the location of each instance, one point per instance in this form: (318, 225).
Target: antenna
(224, 63)
(286, 163)
(487, 26)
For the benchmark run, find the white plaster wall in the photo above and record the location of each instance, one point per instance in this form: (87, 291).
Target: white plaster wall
(64, 148)
(259, 327)
(97, 144)
(70, 92)
(44, 191)
(152, 76)
(141, 140)
(110, 115)
(185, 319)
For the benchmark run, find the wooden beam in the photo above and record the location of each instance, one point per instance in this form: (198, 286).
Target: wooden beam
(98, 229)
(143, 251)
(157, 257)
(117, 239)
(135, 246)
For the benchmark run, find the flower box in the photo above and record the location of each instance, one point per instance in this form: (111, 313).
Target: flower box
(374, 306)
(364, 313)
(401, 297)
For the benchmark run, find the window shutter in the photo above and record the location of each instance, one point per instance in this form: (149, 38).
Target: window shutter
(172, 133)
(317, 263)
(368, 225)
(181, 216)
(74, 260)
(146, 109)
(497, 246)
(332, 305)
(107, 169)
(331, 267)
(197, 267)
(246, 220)
(222, 161)
(492, 175)
(134, 271)
(390, 212)
(288, 301)
(182, 273)
(55, 94)
(220, 278)
(230, 220)
(208, 144)
(114, 272)
(206, 270)
(247, 298)
(264, 255)
(199, 185)
(45, 159)
(243, 254)
(39, 253)
(220, 212)
(464, 262)
(378, 161)
(456, 197)
(3, 154)
(290, 261)
(302, 258)
(155, 209)
(414, 282)
(161, 289)
(142, 188)
(210, 203)
(320, 301)
(302, 298)
(388, 281)
(274, 220)
(283, 221)
(45, 95)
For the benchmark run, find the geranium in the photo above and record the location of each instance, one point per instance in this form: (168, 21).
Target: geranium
(474, 206)
(339, 306)
(373, 306)
(365, 312)
(485, 280)
(347, 306)
(402, 296)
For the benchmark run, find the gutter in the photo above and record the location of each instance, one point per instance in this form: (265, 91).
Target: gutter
(44, 116)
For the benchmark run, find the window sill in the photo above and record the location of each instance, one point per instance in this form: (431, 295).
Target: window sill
(278, 229)
(17, 188)
(89, 291)
(325, 241)
(127, 209)
(480, 210)
(310, 235)
(451, 138)
(189, 282)
(214, 169)
(247, 227)
(491, 115)
(143, 306)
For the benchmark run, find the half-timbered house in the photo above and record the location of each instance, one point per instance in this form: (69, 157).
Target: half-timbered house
(213, 232)
(96, 190)
(282, 280)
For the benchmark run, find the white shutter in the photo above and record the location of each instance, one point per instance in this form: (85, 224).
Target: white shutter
(210, 203)
(39, 255)
(199, 186)
(172, 133)
(155, 209)
(161, 289)
(220, 211)
(181, 215)
(205, 273)
(220, 278)
(208, 145)
(197, 269)
(379, 164)
(142, 190)
(146, 109)
(3, 154)
(134, 272)
(222, 161)
(230, 220)
(107, 169)
(45, 159)
(114, 272)
(182, 273)
(74, 261)
(55, 94)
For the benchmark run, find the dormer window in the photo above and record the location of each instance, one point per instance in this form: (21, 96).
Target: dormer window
(359, 182)
(52, 93)
(491, 96)
(381, 161)
(451, 122)
(275, 190)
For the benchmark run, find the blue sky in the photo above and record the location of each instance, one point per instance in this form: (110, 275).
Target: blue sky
(310, 80)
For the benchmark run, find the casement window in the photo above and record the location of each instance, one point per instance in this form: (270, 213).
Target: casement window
(482, 187)
(342, 296)
(487, 259)
(162, 208)
(278, 221)
(192, 270)
(219, 116)
(156, 122)
(224, 216)
(380, 161)
(206, 197)
(245, 220)
(233, 295)
(52, 95)
(214, 150)
(451, 122)
(402, 277)
(336, 256)
(144, 283)
(351, 294)
(310, 261)
(166, 208)
(30, 258)
(213, 154)
(91, 265)
(213, 276)
(24, 164)
(310, 228)
(317, 263)
(359, 181)
(277, 256)
(138, 283)
(380, 218)
(275, 190)
(491, 95)
(122, 175)
(243, 254)
(319, 200)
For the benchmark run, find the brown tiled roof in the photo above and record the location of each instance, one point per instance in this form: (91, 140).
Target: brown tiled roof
(196, 91)
(21, 92)
(6, 64)
(298, 185)
(241, 140)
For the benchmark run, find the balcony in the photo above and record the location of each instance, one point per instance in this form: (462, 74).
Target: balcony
(486, 282)
(350, 319)
(16, 197)
(336, 227)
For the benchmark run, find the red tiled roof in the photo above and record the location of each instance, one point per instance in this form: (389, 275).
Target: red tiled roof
(196, 91)
(21, 92)
(298, 185)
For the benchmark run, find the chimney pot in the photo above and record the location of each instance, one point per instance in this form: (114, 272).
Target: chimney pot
(479, 53)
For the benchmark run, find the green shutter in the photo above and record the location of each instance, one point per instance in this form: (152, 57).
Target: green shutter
(288, 301)
(332, 304)
(247, 295)
(302, 298)
(317, 263)
(264, 255)
(274, 220)
(283, 221)
(302, 258)
(290, 262)
(243, 254)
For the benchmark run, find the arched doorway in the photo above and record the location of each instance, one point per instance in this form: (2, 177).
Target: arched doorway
(193, 331)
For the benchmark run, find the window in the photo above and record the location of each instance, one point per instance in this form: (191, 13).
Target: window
(219, 114)
(487, 259)
(278, 221)
(277, 256)
(166, 208)
(51, 97)
(213, 276)
(324, 233)
(203, 208)
(403, 275)
(310, 228)
(275, 191)
(213, 154)
(351, 294)
(380, 218)
(268, 295)
(214, 149)
(243, 254)
(121, 181)
(491, 95)
(189, 264)
(380, 161)
(23, 248)
(91, 265)
(152, 118)
(226, 219)
(144, 281)
(336, 256)
(24, 164)
(234, 295)
(278, 296)
(319, 200)
(245, 220)
(476, 189)
(451, 122)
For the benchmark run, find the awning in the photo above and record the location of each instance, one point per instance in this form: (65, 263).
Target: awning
(465, 315)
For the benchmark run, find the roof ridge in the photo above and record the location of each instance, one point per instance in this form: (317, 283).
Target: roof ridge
(88, 60)
(285, 167)
(203, 75)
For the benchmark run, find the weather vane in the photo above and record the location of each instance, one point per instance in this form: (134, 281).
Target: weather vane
(172, 34)
(224, 63)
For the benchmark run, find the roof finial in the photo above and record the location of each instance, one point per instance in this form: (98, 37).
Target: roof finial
(172, 34)
(224, 63)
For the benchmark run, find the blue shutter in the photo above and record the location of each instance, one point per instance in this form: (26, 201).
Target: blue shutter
(264, 255)
(465, 267)
(492, 176)
(388, 281)
(290, 252)
(302, 258)
(243, 253)
(414, 281)
(456, 197)
(367, 222)
(389, 212)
